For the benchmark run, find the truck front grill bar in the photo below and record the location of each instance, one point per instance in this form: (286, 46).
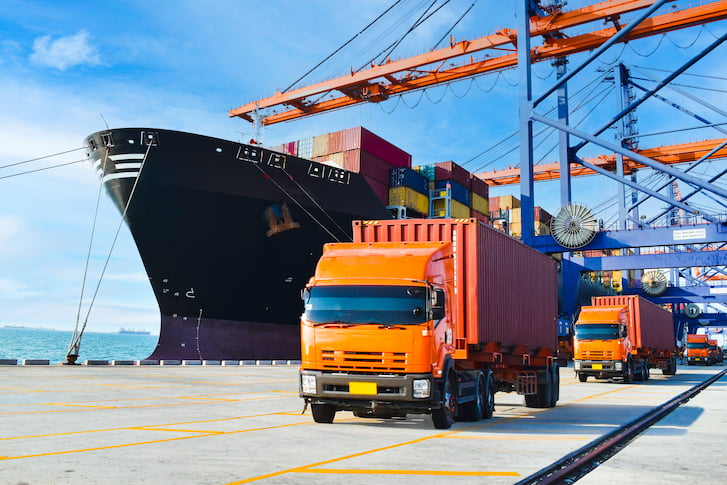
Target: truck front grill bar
(596, 354)
(358, 360)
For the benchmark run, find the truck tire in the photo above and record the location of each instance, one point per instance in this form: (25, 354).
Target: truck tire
(489, 396)
(475, 410)
(543, 397)
(671, 367)
(443, 416)
(629, 372)
(647, 371)
(555, 376)
(323, 413)
(582, 377)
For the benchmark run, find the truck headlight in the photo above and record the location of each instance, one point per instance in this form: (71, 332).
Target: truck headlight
(421, 388)
(308, 384)
(618, 365)
(577, 364)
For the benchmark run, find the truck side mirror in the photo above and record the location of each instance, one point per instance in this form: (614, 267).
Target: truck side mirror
(438, 304)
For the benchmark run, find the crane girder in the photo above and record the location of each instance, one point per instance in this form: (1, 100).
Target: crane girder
(392, 78)
(682, 153)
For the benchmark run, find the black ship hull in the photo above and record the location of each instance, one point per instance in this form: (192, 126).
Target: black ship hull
(228, 234)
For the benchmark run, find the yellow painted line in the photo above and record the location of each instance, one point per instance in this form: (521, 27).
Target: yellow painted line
(130, 407)
(408, 472)
(524, 438)
(199, 431)
(125, 445)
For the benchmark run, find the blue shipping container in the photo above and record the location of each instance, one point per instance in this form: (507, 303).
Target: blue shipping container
(406, 177)
(459, 192)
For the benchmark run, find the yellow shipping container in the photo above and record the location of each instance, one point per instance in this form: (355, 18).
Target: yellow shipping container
(515, 215)
(515, 229)
(409, 198)
(320, 145)
(479, 203)
(457, 209)
(336, 159)
(541, 229)
(508, 202)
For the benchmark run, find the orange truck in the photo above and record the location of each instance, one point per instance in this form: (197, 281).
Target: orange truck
(715, 352)
(428, 316)
(698, 350)
(623, 336)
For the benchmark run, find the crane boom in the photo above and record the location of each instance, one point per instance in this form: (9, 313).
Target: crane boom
(683, 153)
(379, 82)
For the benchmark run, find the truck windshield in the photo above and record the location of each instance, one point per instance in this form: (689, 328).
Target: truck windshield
(366, 305)
(696, 345)
(598, 331)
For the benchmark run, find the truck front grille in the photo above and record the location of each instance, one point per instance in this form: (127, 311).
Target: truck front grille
(597, 355)
(363, 361)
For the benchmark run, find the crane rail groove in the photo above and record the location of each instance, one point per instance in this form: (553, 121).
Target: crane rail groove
(575, 465)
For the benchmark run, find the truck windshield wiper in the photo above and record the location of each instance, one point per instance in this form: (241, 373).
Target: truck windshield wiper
(342, 323)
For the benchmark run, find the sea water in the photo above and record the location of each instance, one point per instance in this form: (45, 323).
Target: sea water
(32, 343)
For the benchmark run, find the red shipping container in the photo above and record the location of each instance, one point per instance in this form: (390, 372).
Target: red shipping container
(450, 170)
(651, 326)
(365, 163)
(484, 218)
(380, 189)
(506, 291)
(479, 186)
(336, 142)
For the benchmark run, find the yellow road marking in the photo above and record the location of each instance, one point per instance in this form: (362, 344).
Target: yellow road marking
(407, 472)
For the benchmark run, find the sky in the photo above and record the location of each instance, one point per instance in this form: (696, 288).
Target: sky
(68, 69)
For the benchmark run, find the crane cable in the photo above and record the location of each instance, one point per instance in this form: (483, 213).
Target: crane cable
(75, 346)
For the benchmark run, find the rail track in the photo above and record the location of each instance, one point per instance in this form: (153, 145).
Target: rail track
(579, 463)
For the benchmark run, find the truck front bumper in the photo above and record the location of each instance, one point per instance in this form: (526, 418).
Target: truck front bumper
(360, 391)
(599, 367)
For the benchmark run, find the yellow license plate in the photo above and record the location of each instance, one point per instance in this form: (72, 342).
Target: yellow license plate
(362, 387)
(597, 366)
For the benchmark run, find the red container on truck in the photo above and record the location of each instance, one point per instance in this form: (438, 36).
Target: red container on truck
(428, 316)
(623, 336)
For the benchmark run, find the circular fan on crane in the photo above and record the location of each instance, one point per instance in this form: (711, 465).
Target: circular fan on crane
(653, 283)
(692, 310)
(574, 226)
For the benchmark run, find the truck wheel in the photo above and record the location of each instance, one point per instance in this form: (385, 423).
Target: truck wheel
(647, 371)
(323, 413)
(544, 393)
(474, 410)
(555, 376)
(629, 373)
(582, 377)
(443, 416)
(489, 396)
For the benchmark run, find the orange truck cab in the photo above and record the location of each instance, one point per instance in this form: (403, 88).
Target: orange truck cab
(382, 334)
(698, 350)
(623, 337)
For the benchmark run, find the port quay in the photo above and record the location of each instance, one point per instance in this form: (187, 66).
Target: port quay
(220, 424)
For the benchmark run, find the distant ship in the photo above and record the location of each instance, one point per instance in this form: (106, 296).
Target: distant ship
(129, 331)
(228, 233)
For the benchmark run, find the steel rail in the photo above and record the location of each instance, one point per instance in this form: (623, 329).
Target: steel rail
(578, 463)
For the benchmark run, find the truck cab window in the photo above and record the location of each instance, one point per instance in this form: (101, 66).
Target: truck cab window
(360, 304)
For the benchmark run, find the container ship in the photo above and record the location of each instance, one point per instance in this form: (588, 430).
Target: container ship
(229, 233)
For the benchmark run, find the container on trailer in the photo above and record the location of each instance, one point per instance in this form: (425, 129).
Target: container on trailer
(489, 264)
(650, 325)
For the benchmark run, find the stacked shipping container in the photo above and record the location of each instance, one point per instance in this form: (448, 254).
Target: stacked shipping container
(354, 149)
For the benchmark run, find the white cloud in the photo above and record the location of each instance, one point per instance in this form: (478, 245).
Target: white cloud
(13, 289)
(65, 52)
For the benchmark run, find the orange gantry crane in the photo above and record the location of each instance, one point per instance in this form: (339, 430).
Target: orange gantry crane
(682, 153)
(379, 82)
